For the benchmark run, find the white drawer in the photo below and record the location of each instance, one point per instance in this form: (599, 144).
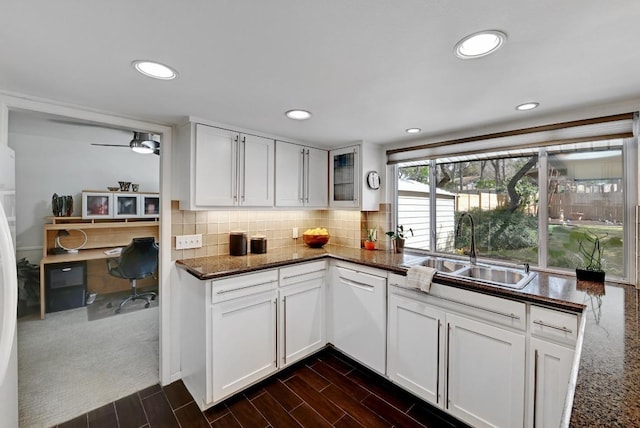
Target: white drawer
(397, 280)
(497, 310)
(552, 324)
(243, 285)
(302, 272)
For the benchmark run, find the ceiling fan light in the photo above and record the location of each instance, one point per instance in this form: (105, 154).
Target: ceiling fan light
(144, 143)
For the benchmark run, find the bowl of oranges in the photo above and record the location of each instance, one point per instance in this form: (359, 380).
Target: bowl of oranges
(315, 238)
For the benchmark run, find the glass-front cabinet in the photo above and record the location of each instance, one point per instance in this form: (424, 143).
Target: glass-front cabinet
(344, 176)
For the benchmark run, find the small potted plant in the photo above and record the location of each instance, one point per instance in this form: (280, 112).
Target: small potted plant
(398, 238)
(370, 242)
(591, 248)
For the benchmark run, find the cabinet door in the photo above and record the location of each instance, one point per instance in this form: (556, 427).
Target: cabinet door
(256, 177)
(359, 316)
(414, 351)
(485, 374)
(302, 318)
(243, 342)
(289, 174)
(344, 186)
(550, 372)
(317, 178)
(215, 167)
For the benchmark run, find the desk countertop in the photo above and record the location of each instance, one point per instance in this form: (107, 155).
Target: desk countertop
(608, 385)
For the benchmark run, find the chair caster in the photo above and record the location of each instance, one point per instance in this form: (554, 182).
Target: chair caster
(147, 305)
(118, 310)
(153, 297)
(109, 305)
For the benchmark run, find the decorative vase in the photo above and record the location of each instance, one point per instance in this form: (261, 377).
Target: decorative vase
(590, 275)
(369, 245)
(398, 245)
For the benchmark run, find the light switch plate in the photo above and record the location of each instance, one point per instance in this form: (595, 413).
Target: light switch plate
(184, 242)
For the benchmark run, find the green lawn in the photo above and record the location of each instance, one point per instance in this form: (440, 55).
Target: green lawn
(563, 248)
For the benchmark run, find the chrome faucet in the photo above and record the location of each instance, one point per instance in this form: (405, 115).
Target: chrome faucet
(472, 252)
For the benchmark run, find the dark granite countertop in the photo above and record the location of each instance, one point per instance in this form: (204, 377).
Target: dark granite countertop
(608, 384)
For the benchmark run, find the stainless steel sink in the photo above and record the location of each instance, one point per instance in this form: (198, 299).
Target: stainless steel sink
(490, 274)
(497, 275)
(443, 265)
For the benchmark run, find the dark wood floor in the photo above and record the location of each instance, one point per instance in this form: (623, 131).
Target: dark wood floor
(324, 390)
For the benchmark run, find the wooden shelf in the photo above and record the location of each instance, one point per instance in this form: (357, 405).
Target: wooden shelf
(99, 224)
(89, 221)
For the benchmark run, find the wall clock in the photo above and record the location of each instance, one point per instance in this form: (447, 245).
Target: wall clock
(373, 180)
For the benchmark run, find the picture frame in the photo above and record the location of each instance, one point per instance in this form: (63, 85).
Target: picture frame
(96, 205)
(126, 205)
(149, 205)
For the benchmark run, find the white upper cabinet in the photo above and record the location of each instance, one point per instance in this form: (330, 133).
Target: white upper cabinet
(215, 167)
(349, 168)
(301, 176)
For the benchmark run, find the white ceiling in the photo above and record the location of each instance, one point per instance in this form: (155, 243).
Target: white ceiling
(367, 69)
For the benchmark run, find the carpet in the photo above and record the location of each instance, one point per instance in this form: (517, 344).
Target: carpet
(68, 365)
(100, 309)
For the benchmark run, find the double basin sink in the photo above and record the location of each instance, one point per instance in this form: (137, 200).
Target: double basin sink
(485, 273)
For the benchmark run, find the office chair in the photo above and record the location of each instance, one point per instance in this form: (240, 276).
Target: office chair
(138, 260)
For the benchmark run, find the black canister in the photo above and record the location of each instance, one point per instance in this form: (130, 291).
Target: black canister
(238, 243)
(258, 244)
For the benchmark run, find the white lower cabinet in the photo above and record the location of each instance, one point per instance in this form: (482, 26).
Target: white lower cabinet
(461, 351)
(358, 308)
(239, 330)
(551, 357)
(228, 333)
(415, 355)
(485, 373)
(302, 311)
(243, 332)
(551, 365)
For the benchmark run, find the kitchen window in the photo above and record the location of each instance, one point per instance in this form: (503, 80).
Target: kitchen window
(530, 205)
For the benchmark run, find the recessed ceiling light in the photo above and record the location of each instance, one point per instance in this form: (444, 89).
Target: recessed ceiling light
(527, 106)
(154, 69)
(298, 114)
(480, 44)
(413, 130)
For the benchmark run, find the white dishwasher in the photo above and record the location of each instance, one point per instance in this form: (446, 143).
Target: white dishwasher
(357, 314)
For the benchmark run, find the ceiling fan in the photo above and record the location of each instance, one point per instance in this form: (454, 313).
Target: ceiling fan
(142, 142)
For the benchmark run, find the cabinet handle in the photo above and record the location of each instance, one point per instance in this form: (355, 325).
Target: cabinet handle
(438, 364)
(236, 148)
(65, 269)
(302, 274)
(535, 386)
(301, 178)
(446, 398)
(504, 314)
(229, 290)
(275, 356)
(544, 324)
(244, 163)
(307, 177)
(361, 285)
(284, 338)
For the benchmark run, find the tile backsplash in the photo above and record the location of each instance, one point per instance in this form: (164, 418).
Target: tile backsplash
(346, 228)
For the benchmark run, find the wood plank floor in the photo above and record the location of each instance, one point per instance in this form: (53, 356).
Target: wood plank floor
(324, 390)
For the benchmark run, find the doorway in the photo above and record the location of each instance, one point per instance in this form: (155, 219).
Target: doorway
(70, 363)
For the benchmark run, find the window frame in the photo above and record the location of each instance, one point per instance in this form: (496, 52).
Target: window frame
(630, 189)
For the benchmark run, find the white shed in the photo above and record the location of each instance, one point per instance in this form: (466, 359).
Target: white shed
(413, 212)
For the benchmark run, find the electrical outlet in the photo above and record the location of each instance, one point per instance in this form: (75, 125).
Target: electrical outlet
(295, 233)
(184, 242)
